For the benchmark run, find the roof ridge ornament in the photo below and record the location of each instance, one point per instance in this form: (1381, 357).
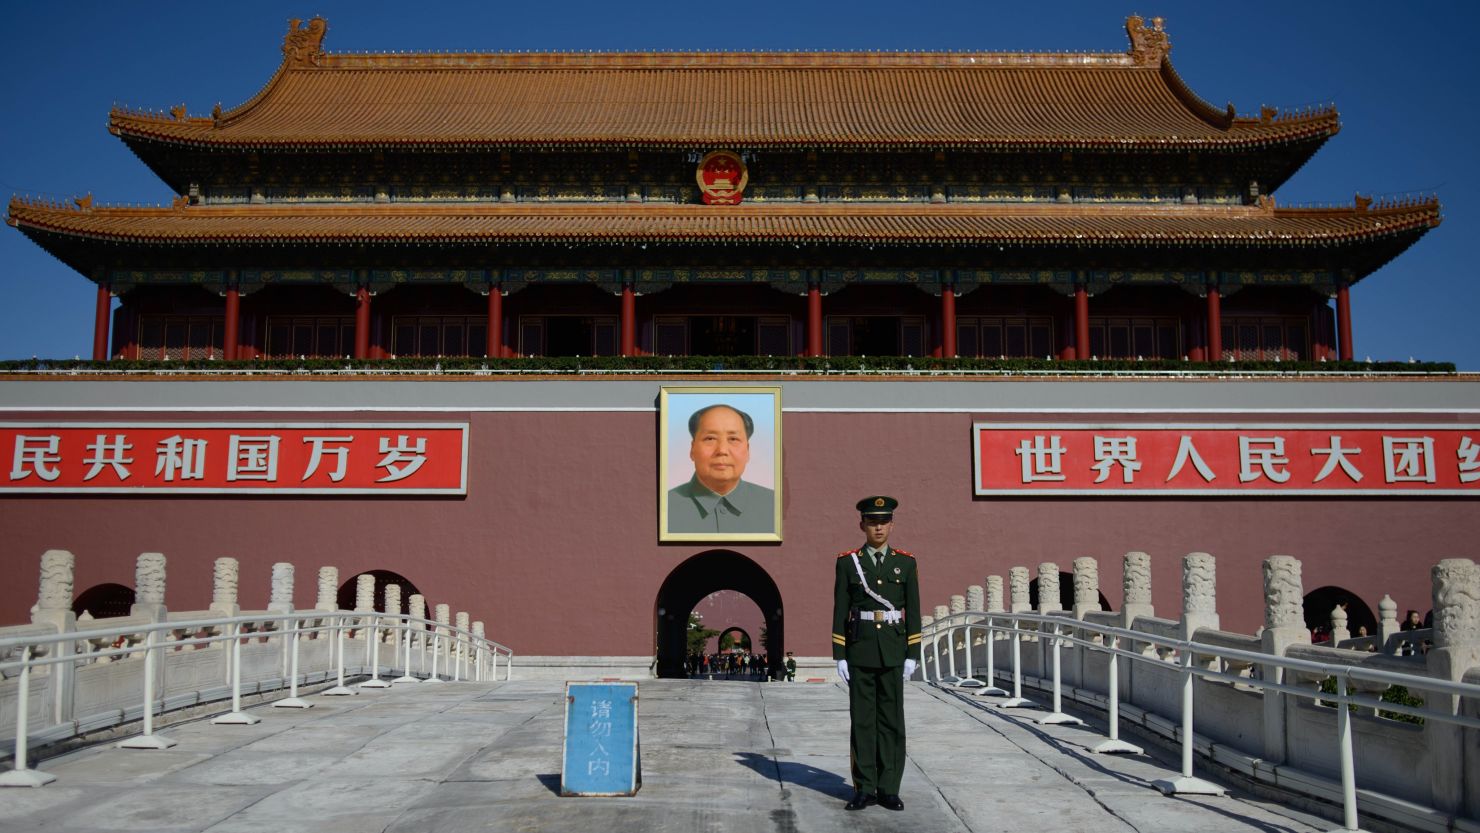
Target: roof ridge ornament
(1149, 47)
(303, 45)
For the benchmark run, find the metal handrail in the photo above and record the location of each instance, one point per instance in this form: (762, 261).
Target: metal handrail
(1049, 626)
(468, 648)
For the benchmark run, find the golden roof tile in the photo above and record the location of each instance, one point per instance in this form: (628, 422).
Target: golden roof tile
(1130, 100)
(832, 224)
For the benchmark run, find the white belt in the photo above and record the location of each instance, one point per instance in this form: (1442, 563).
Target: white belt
(891, 616)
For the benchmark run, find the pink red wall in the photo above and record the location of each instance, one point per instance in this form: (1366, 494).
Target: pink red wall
(555, 544)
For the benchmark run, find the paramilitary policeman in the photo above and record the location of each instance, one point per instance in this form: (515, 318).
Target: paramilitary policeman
(876, 626)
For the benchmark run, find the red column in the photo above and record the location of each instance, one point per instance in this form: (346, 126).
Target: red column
(948, 320)
(1196, 339)
(1215, 325)
(1081, 322)
(1344, 322)
(814, 321)
(101, 314)
(230, 338)
(495, 350)
(362, 323)
(629, 321)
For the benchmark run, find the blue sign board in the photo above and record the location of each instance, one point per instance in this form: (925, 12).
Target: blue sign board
(601, 753)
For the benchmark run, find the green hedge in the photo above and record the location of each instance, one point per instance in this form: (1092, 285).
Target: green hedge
(655, 364)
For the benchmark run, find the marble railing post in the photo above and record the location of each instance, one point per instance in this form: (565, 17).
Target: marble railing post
(1387, 622)
(1284, 626)
(392, 633)
(225, 578)
(328, 589)
(1135, 588)
(1339, 631)
(1086, 586)
(994, 594)
(480, 656)
(444, 618)
(54, 608)
(1048, 588)
(149, 587)
(1086, 599)
(281, 599)
(958, 603)
(1456, 599)
(976, 599)
(1017, 579)
(1199, 594)
(464, 623)
(364, 593)
(418, 631)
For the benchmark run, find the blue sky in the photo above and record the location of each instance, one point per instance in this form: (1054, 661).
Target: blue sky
(1401, 76)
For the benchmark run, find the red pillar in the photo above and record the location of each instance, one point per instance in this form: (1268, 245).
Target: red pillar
(948, 321)
(1344, 322)
(230, 338)
(1081, 322)
(814, 321)
(629, 321)
(494, 349)
(101, 315)
(1215, 325)
(362, 323)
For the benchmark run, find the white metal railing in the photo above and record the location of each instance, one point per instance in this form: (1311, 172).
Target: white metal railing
(1194, 659)
(468, 656)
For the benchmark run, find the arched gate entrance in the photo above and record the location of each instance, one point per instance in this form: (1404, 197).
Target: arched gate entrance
(698, 577)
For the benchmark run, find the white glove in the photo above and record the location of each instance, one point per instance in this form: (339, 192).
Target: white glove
(909, 669)
(843, 669)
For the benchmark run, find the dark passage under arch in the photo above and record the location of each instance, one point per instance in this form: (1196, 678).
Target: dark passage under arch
(696, 578)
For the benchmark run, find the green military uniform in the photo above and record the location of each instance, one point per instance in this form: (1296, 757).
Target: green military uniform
(876, 650)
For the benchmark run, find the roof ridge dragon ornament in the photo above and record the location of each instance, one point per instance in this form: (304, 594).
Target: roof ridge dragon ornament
(303, 45)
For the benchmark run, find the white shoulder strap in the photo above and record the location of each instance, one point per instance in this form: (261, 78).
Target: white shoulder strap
(871, 594)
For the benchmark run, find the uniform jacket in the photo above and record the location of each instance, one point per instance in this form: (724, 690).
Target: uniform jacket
(876, 644)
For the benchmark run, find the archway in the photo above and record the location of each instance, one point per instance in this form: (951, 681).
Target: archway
(105, 601)
(698, 577)
(348, 590)
(733, 637)
(1321, 601)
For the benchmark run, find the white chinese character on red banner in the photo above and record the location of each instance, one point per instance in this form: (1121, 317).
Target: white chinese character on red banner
(1337, 456)
(1186, 452)
(1408, 459)
(177, 454)
(404, 451)
(1042, 462)
(1265, 454)
(252, 458)
(1112, 450)
(108, 454)
(318, 451)
(1469, 460)
(35, 455)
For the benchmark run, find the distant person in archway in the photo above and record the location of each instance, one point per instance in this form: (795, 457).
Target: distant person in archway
(718, 498)
(791, 668)
(876, 625)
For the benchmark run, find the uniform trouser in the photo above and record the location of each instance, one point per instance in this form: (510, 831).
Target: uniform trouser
(876, 707)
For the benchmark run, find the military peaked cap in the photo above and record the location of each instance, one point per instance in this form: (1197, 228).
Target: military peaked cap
(878, 506)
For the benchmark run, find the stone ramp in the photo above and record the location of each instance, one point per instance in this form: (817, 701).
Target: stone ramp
(716, 757)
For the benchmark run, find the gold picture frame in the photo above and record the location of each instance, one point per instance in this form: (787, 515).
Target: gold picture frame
(719, 463)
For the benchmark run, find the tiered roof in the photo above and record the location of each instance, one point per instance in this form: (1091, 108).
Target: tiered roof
(1126, 101)
(1131, 102)
(1262, 225)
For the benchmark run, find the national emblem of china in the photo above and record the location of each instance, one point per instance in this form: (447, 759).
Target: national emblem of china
(722, 177)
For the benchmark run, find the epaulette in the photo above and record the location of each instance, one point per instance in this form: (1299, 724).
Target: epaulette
(905, 553)
(848, 553)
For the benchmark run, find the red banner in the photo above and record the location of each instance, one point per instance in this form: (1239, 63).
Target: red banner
(244, 458)
(1202, 459)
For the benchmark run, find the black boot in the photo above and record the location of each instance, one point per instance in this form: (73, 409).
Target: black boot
(890, 802)
(860, 800)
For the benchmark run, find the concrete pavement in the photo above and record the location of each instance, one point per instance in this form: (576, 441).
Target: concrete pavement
(716, 756)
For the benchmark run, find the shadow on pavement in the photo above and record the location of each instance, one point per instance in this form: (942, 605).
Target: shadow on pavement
(799, 774)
